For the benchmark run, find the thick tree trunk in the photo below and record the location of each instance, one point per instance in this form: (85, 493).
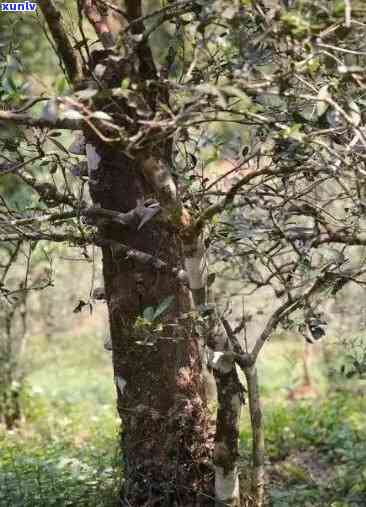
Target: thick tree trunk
(166, 444)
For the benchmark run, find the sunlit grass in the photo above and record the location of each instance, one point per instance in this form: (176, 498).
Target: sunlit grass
(316, 449)
(65, 451)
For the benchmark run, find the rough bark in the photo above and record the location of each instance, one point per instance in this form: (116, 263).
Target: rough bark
(13, 326)
(229, 402)
(165, 438)
(64, 47)
(258, 451)
(228, 388)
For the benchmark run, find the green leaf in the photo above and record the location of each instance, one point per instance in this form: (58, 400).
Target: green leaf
(296, 24)
(293, 132)
(59, 145)
(313, 66)
(339, 7)
(354, 113)
(61, 85)
(163, 306)
(322, 106)
(211, 279)
(148, 313)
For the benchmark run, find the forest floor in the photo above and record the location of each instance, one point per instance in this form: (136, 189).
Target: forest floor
(64, 453)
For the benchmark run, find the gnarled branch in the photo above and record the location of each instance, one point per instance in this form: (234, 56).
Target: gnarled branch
(30, 121)
(69, 56)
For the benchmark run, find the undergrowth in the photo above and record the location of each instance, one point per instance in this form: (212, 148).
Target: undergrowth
(61, 456)
(65, 451)
(316, 451)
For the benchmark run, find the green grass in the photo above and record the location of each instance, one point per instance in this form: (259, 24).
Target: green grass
(316, 452)
(61, 455)
(316, 449)
(65, 451)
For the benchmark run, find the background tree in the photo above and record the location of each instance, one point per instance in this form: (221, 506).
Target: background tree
(286, 81)
(19, 260)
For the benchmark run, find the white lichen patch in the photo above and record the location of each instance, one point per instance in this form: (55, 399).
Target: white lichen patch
(78, 145)
(226, 486)
(108, 343)
(160, 176)
(120, 383)
(93, 158)
(196, 269)
(196, 265)
(221, 361)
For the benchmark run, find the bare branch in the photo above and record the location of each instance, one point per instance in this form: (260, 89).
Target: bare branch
(147, 64)
(30, 121)
(48, 192)
(8, 167)
(141, 258)
(164, 11)
(164, 14)
(46, 236)
(133, 217)
(230, 196)
(284, 310)
(69, 56)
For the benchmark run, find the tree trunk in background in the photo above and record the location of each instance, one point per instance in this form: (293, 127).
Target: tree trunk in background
(13, 326)
(10, 413)
(161, 401)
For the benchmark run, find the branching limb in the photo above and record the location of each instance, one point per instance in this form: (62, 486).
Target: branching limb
(245, 362)
(9, 167)
(98, 18)
(213, 210)
(141, 258)
(67, 53)
(45, 236)
(48, 192)
(241, 358)
(137, 216)
(165, 13)
(118, 249)
(112, 7)
(30, 121)
(12, 259)
(283, 311)
(134, 15)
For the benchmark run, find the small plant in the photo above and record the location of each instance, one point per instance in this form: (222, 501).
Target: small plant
(316, 451)
(148, 325)
(354, 360)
